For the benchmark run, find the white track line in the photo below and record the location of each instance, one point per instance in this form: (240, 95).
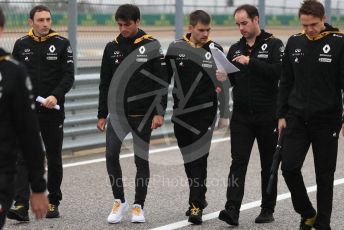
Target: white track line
(247, 206)
(80, 163)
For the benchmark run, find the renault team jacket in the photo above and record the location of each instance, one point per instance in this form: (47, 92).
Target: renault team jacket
(133, 52)
(313, 75)
(49, 61)
(256, 85)
(18, 124)
(195, 85)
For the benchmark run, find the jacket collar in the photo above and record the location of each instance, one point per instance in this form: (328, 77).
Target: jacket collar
(328, 30)
(186, 38)
(137, 38)
(44, 38)
(4, 55)
(263, 36)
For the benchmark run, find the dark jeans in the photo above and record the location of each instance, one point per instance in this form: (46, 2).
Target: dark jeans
(52, 135)
(6, 196)
(141, 149)
(323, 135)
(244, 129)
(194, 146)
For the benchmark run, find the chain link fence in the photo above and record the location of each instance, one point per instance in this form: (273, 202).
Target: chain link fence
(96, 24)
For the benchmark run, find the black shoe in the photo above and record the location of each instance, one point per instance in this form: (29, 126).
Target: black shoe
(19, 212)
(195, 215)
(230, 216)
(187, 213)
(53, 211)
(265, 216)
(307, 223)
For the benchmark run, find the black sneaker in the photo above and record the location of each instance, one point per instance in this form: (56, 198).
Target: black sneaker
(187, 213)
(307, 223)
(195, 215)
(230, 216)
(265, 216)
(53, 211)
(19, 212)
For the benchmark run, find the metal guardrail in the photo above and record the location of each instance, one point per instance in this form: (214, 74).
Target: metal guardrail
(80, 131)
(81, 114)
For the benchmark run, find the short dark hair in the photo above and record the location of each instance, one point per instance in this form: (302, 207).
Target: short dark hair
(2, 18)
(38, 8)
(199, 16)
(251, 10)
(128, 12)
(312, 7)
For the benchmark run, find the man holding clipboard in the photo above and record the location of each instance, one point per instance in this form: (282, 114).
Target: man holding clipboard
(258, 56)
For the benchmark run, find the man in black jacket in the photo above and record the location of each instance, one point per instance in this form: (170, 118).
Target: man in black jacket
(190, 63)
(310, 109)
(18, 125)
(49, 60)
(258, 56)
(132, 70)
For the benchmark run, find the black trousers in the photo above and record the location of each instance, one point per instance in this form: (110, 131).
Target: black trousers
(6, 196)
(195, 145)
(323, 135)
(141, 141)
(52, 134)
(244, 129)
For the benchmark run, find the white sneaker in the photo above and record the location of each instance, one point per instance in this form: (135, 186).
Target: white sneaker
(137, 214)
(117, 212)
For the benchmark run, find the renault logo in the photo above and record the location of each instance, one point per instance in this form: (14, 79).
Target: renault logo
(208, 55)
(142, 50)
(326, 48)
(52, 49)
(264, 46)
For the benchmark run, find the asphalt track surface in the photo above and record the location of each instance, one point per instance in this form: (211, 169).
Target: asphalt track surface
(87, 196)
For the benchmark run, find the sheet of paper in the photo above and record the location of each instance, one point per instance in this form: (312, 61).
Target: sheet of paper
(221, 61)
(42, 99)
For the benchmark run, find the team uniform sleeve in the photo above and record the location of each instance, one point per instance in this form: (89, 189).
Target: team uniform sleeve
(67, 72)
(27, 131)
(106, 73)
(286, 85)
(341, 76)
(160, 71)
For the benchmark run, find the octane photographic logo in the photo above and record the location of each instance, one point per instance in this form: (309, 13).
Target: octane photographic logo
(131, 66)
